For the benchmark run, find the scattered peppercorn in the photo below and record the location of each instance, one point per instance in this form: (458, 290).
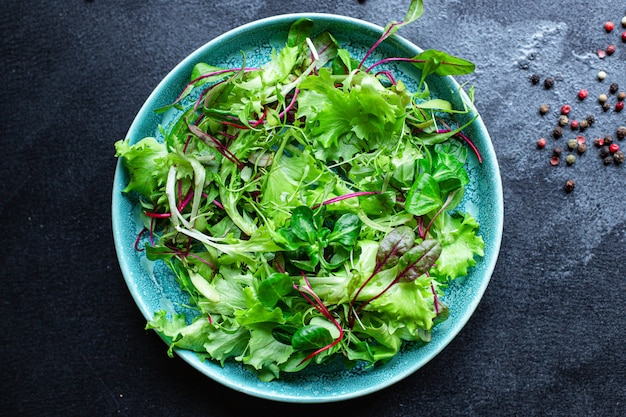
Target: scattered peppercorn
(534, 78)
(624, 21)
(582, 94)
(606, 106)
(604, 151)
(602, 98)
(614, 147)
(565, 109)
(607, 160)
(548, 83)
(580, 139)
(541, 143)
(623, 36)
(591, 119)
(563, 120)
(619, 106)
(557, 151)
(608, 139)
(601, 53)
(582, 148)
(613, 88)
(601, 75)
(583, 124)
(557, 132)
(621, 132)
(609, 26)
(574, 124)
(618, 158)
(544, 108)
(621, 95)
(570, 159)
(569, 186)
(572, 144)
(599, 142)
(610, 50)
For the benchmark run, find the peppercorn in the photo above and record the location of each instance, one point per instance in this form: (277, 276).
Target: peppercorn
(574, 124)
(602, 98)
(534, 78)
(599, 142)
(565, 109)
(608, 139)
(582, 94)
(544, 108)
(621, 95)
(541, 143)
(582, 148)
(610, 50)
(557, 132)
(601, 53)
(569, 186)
(624, 21)
(557, 152)
(619, 106)
(601, 75)
(572, 144)
(606, 106)
(623, 36)
(563, 120)
(604, 151)
(548, 83)
(580, 139)
(618, 158)
(570, 159)
(607, 160)
(590, 119)
(621, 132)
(613, 88)
(554, 161)
(583, 124)
(609, 26)
(614, 147)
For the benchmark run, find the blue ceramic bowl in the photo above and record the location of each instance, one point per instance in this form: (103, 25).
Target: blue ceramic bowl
(153, 288)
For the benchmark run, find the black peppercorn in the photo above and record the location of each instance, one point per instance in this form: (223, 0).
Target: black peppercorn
(557, 151)
(604, 151)
(584, 124)
(606, 106)
(534, 78)
(544, 108)
(608, 139)
(590, 119)
(582, 148)
(548, 83)
(557, 132)
(569, 186)
(613, 88)
(618, 157)
(621, 132)
(607, 160)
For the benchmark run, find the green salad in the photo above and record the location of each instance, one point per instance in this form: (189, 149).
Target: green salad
(309, 207)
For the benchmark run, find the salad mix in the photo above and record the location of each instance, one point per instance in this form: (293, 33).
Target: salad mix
(309, 207)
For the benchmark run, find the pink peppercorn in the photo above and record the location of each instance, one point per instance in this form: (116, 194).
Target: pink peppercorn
(574, 124)
(541, 143)
(610, 50)
(614, 147)
(623, 36)
(609, 26)
(619, 106)
(565, 109)
(582, 94)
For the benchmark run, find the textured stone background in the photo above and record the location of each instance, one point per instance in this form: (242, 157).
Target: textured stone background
(548, 337)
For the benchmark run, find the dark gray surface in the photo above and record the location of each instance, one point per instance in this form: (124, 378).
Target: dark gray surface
(548, 337)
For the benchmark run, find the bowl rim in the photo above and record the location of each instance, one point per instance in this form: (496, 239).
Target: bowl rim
(190, 357)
